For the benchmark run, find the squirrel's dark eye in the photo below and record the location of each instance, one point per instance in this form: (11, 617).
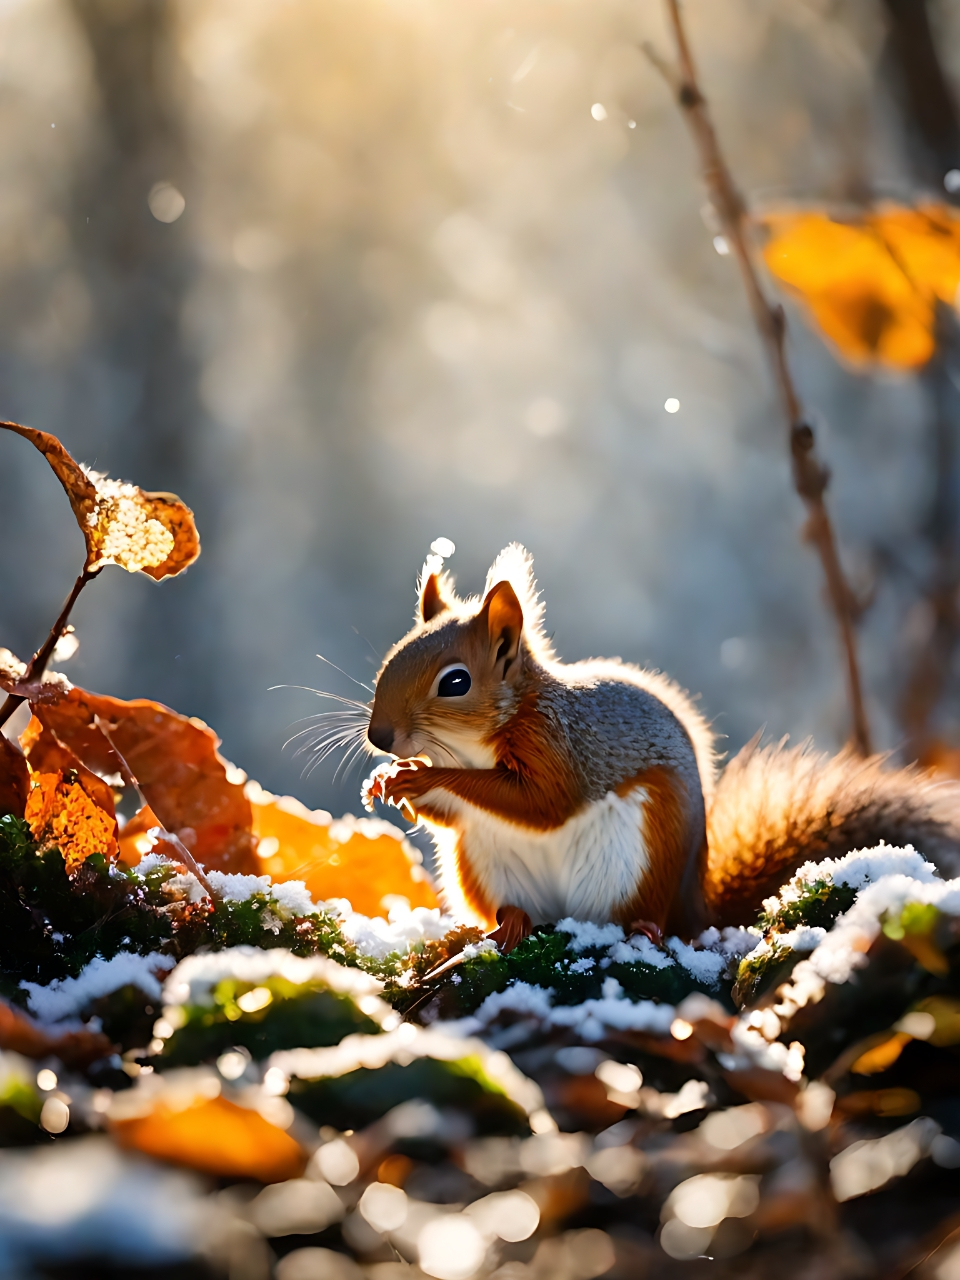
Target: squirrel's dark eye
(454, 683)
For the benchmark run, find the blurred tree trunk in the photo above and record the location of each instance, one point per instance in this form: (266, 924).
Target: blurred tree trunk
(932, 127)
(138, 271)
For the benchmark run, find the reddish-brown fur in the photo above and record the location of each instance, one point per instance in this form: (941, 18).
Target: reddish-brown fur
(672, 846)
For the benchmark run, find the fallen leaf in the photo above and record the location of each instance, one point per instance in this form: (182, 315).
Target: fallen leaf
(153, 533)
(881, 1056)
(13, 679)
(46, 754)
(870, 283)
(176, 763)
(361, 859)
(74, 1048)
(880, 1102)
(61, 815)
(14, 779)
(214, 1136)
(134, 841)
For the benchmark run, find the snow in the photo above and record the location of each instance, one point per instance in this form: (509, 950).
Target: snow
(67, 997)
(86, 1198)
(583, 965)
(193, 980)
(857, 869)
(583, 934)
(238, 888)
(705, 966)
(590, 1020)
(403, 1045)
(640, 950)
(293, 897)
(378, 938)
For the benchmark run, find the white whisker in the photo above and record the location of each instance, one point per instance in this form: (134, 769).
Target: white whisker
(359, 683)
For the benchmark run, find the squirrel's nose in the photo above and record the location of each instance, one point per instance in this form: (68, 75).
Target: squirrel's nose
(381, 735)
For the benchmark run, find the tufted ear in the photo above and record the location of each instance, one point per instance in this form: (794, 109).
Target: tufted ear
(504, 623)
(431, 589)
(431, 601)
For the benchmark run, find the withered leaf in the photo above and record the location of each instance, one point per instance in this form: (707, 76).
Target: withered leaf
(216, 1137)
(47, 754)
(61, 815)
(176, 763)
(355, 858)
(74, 1048)
(153, 533)
(13, 679)
(14, 779)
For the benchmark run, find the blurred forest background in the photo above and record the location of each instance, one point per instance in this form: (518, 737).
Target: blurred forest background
(348, 275)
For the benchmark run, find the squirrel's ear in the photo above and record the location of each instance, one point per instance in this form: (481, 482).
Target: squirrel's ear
(430, 588)
(504, 623)
(431, 601)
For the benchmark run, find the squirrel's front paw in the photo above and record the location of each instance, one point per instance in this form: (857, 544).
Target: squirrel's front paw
(396, 783)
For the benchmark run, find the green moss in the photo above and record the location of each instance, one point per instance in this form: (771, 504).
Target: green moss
(545, 960)
(354, 1100)
(819, 904)
(309, 1015)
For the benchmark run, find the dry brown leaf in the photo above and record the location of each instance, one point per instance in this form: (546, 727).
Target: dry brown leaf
(14, 779)
(61, 815)
(216, 1137)
(47, 754)
(175, 760)
(355, 858)
(74, 1049)
(153, 533)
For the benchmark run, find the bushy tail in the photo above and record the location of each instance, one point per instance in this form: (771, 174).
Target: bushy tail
(776, 807)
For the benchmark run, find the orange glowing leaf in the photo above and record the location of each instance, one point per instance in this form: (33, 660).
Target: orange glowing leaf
(881, 1056)
(46, 754)
(192, 790)
(216, 1137)
(356, 858)
(152, 533)
(61, 815)
(870, 283)
(134, 841)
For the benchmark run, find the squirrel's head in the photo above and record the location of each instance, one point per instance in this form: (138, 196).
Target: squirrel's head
(454, 679)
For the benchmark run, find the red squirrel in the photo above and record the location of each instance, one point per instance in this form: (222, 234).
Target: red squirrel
(590, 789)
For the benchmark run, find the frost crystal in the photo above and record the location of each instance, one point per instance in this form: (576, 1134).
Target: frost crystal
(126, 534)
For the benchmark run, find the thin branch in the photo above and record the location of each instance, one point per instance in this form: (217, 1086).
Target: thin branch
(160, 832)
(810, 475)
(38, 663)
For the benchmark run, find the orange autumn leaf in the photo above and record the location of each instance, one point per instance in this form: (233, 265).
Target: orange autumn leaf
(870, 284)
(187, 784)
(153, 533)
(214, 1136)
(134, 841)
(46, 754)
(356, 858)
(61, 815)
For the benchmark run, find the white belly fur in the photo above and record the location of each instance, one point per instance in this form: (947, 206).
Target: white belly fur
(584, 869)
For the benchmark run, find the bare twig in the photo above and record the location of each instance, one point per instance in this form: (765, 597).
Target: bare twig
(810, 475)
(186, 857)
(38, 663)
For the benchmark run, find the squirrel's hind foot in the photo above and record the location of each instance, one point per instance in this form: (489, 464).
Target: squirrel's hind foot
(513, 925)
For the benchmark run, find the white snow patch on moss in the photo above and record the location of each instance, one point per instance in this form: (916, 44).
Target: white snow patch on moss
(67, 997)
